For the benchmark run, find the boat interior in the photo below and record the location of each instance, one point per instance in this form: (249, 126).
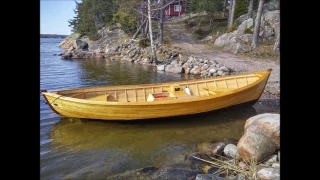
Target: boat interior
(163, 91)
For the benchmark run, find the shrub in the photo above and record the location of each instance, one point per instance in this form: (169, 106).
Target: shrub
(144, 42)
(200, 32)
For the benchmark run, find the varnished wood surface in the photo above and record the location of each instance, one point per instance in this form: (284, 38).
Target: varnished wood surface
(130, 102)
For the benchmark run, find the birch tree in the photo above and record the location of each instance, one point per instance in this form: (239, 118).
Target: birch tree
(161, 22)
(255, 37)
(250, 9)
(224, 8)
(153, 47)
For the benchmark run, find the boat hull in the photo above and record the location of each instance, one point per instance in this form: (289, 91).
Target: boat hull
(131, 111)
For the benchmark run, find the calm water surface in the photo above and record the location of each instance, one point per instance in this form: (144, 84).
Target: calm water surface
(72, 148)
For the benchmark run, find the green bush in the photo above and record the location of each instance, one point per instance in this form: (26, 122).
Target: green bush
(190, 24)
(200, 32)
(144, 42)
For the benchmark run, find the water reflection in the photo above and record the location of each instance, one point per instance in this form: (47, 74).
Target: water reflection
(85, 134)
(117, 146)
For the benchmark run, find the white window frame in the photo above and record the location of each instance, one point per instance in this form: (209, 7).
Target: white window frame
(177, 7)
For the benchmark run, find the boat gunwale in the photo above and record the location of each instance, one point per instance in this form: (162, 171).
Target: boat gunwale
(264, 74)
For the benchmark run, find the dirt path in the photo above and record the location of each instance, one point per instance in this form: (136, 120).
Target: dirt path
(180, 37)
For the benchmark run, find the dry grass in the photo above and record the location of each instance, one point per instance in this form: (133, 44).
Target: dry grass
(228, 168)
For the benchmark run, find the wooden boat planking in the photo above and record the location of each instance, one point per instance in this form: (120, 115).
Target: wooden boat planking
(130, 102)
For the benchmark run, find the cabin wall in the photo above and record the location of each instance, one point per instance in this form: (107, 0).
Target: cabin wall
(170, 11)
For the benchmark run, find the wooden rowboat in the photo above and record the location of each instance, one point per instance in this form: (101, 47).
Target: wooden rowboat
(144, 101)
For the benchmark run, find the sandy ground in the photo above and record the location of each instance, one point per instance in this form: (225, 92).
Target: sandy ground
(270, 99)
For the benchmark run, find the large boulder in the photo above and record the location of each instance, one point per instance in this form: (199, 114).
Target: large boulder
(267, 124)
(253, 145)
(268, 21)
(67, 43)
(246, 37)
(271, 6)
(79, 44)
(225, 39)
(244, 25)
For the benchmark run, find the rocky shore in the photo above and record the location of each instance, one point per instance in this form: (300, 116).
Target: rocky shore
(255, 156)
(170, 59)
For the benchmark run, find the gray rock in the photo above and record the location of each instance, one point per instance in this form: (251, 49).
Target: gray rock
(206, 61)
(224, 69)
(169, 68)
(276, 165)
(236, 48)
(212, 71)
(272, 159)
(272, 5)
(145, 60)
(253, 145)
(161, 67)
(220, 73)
(81, 44)
(225, 74)
(269, 174)
(211, 149)
(206, 38)
(231, 151)
(174, 62)
(224, 40)
(246, 37)
(208, 177)
(204, 73)
(242, 18)
(192, 70)
(244, 25)
(268, 124)
(177, 70)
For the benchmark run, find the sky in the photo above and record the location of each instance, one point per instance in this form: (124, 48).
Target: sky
(54, 16)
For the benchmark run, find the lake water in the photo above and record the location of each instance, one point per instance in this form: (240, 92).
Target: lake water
(72, 148)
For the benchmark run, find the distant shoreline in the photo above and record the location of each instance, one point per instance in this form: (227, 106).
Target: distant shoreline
(53, 36)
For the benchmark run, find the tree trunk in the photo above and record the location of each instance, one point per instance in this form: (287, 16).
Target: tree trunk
(231, 11)
(161, 23)
(224, 8)
(250, 9)
(255, 37)
(276, 28)
(154, 53)
(138, 31)
(179, 8)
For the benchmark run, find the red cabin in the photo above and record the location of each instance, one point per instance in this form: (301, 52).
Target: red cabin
(174, 8)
